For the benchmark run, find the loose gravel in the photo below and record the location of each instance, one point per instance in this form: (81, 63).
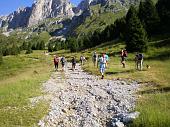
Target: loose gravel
(78, 99)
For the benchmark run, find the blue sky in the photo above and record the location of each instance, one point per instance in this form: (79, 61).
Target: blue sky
(8, 6)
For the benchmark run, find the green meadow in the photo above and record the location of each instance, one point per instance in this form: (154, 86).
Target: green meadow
(154, 95)
(21, 78)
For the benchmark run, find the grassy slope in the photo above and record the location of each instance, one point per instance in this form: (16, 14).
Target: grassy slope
(20, 79)
(18, 82)
(154, 106)
(98, 21)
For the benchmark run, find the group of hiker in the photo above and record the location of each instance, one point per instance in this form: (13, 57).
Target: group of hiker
(100, 61)
(63, 62)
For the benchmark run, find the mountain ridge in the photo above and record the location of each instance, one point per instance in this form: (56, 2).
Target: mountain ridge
(62, 9)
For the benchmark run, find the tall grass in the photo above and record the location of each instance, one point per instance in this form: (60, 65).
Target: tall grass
(21, 78)
(155, 110)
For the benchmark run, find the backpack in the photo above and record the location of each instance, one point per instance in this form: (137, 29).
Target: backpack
(125, 54)
(140, 56)
(62, 60)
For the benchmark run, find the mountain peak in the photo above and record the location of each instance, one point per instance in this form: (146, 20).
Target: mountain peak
(42, 9)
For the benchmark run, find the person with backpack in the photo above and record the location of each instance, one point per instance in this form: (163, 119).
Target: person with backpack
(102, 60)
(140, 61)
(56, 61)
(123, 57)
(73, 61)
(63, 61)
(94, 58)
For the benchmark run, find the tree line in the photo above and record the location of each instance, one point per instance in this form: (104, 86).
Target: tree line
(136, 28)
(13, 45)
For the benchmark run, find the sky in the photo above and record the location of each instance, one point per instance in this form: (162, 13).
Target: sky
(8, 6)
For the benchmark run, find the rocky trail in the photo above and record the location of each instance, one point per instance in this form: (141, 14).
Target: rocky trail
(78, 99)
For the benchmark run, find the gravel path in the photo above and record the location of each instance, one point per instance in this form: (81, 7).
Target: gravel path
(78, 99)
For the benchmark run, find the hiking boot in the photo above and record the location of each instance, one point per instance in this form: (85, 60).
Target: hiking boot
(102, 77)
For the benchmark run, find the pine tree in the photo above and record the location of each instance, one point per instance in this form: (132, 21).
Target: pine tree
(149, 16)
(25, 45)
(42, 45)
(95, 38)
(86, 42)
(50, 47)
(73, 45)
(57, 46)
(29, 48)
(120, 28)
(136, 39)
(163, 8)
(6, 51)
(14, 50)
(81, 44)
(34, 46)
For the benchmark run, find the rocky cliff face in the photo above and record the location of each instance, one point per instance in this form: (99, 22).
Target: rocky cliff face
(16, 19)
(50, 8)
(85, 4)
(40, 10)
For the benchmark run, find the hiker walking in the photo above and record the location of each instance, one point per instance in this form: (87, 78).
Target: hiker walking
(102, 65)
(123, 57)
(73, 61)
(56, 61)
(94, 58)
(82, 60)
(140, 61)
(63, 62)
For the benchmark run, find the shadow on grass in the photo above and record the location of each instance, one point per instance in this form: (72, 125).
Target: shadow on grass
(157, 90)
(162, 56)
(164, 43)
(110, 43)
(120, 72)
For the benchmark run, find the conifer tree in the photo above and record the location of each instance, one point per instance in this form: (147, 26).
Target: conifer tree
(50, 47)
(73, 45)
(15, 50)
(29, 48)
(120, 28)
(95, 38)
(149, 16)
(136, 39)
(42, 45)
(87, 42)
(163, 8)
(24, 45)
